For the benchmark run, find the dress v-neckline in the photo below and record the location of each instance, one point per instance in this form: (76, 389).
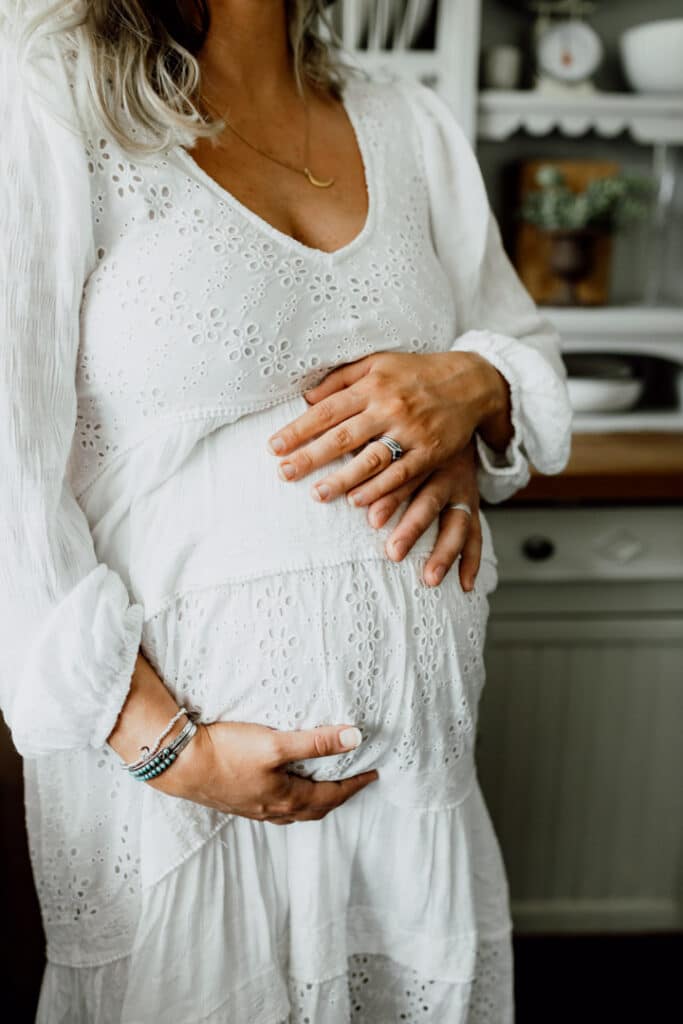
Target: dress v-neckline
(349, 99)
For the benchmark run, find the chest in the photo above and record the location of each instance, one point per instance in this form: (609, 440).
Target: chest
(317, 196)
(197, 302)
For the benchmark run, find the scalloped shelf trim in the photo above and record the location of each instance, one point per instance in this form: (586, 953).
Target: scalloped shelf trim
(648, 119)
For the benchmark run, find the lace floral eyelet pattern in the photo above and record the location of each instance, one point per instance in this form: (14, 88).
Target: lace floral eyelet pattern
(241, 297)
(375, 988)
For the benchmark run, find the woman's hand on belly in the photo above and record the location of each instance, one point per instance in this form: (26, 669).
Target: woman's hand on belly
(429, 495)
(240, 768)
(431, 403)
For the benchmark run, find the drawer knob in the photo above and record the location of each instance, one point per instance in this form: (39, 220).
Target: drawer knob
(538, 548)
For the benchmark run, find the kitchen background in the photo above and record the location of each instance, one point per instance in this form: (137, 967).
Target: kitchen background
(577, 119)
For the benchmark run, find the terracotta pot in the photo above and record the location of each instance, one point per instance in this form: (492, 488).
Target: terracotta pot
(572, 256)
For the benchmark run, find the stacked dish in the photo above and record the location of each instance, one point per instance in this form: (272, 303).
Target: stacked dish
(602, 383)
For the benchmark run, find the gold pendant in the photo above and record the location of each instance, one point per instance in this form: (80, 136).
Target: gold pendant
(315, 181)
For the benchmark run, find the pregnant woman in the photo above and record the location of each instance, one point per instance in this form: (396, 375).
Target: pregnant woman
(259, 337)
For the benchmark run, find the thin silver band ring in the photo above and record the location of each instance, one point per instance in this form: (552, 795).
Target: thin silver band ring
(463, 506)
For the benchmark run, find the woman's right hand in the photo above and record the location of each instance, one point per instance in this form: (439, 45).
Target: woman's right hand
(240, 768)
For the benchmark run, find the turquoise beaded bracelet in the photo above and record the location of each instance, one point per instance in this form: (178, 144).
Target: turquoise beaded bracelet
(159, 762)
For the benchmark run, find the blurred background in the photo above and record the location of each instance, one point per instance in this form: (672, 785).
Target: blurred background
(575, 109)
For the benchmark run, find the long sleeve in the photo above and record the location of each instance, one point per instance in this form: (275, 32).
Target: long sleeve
(495, 314)
(70, 635)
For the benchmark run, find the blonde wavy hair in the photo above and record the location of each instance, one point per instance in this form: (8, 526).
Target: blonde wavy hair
(137, 62)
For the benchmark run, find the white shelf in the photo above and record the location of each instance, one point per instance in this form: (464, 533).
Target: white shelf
(634, 330)
(631, 422)
(626, 330)
(649, 119)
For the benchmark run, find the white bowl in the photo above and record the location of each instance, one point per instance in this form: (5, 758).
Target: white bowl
(652, 56)
(595, 394)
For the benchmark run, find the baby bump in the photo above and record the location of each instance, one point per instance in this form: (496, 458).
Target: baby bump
(363, 642)
(225, 515)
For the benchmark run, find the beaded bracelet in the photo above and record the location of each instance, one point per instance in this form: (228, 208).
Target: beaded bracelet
(158, 763)
(150, 752)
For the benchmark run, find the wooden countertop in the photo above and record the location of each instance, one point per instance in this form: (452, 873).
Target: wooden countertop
(614, 467)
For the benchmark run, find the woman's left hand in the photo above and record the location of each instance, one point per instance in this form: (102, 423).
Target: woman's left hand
(459, 533)
(431, 403)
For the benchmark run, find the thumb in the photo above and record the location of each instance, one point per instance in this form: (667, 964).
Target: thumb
(319, 742)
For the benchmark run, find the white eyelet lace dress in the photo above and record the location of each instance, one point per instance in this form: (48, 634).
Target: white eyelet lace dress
(155, 333)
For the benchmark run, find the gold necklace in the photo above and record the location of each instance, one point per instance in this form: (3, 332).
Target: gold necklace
(306, 171)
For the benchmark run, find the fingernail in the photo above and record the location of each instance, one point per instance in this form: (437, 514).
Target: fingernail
(276, 445)
(286, 470)
(351, 737)
(354, 499)
(320, 491)
(399, 548)
(438, 572)
(376, 517)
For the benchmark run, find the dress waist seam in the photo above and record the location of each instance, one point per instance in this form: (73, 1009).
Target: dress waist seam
(301, 567)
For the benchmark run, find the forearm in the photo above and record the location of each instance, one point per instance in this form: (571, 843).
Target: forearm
(146, 712)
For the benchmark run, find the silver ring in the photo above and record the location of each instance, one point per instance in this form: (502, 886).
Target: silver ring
(462, 506)
(393, 446)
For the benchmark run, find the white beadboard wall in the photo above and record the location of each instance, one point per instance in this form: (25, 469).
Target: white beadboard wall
(581, 763)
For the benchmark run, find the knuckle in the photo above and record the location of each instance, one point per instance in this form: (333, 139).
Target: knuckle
(303, 462)
(453, 541)
(410, 536)
(285, 804)
(397, 407)
(433, 504)
(320, 744)
(436, 446)
(373, 459)
(379, 378)
(342, 437)
(401, 474)
(286, 808)
(387, 507)
(325, 412)
(456, 531)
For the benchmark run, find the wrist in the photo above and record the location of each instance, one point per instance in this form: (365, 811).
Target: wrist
(190, 771)
(495, 406)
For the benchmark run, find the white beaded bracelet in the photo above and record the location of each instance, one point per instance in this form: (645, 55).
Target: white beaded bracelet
(141, 760)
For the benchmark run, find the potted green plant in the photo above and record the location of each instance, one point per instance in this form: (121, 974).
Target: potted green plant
(574, 220)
